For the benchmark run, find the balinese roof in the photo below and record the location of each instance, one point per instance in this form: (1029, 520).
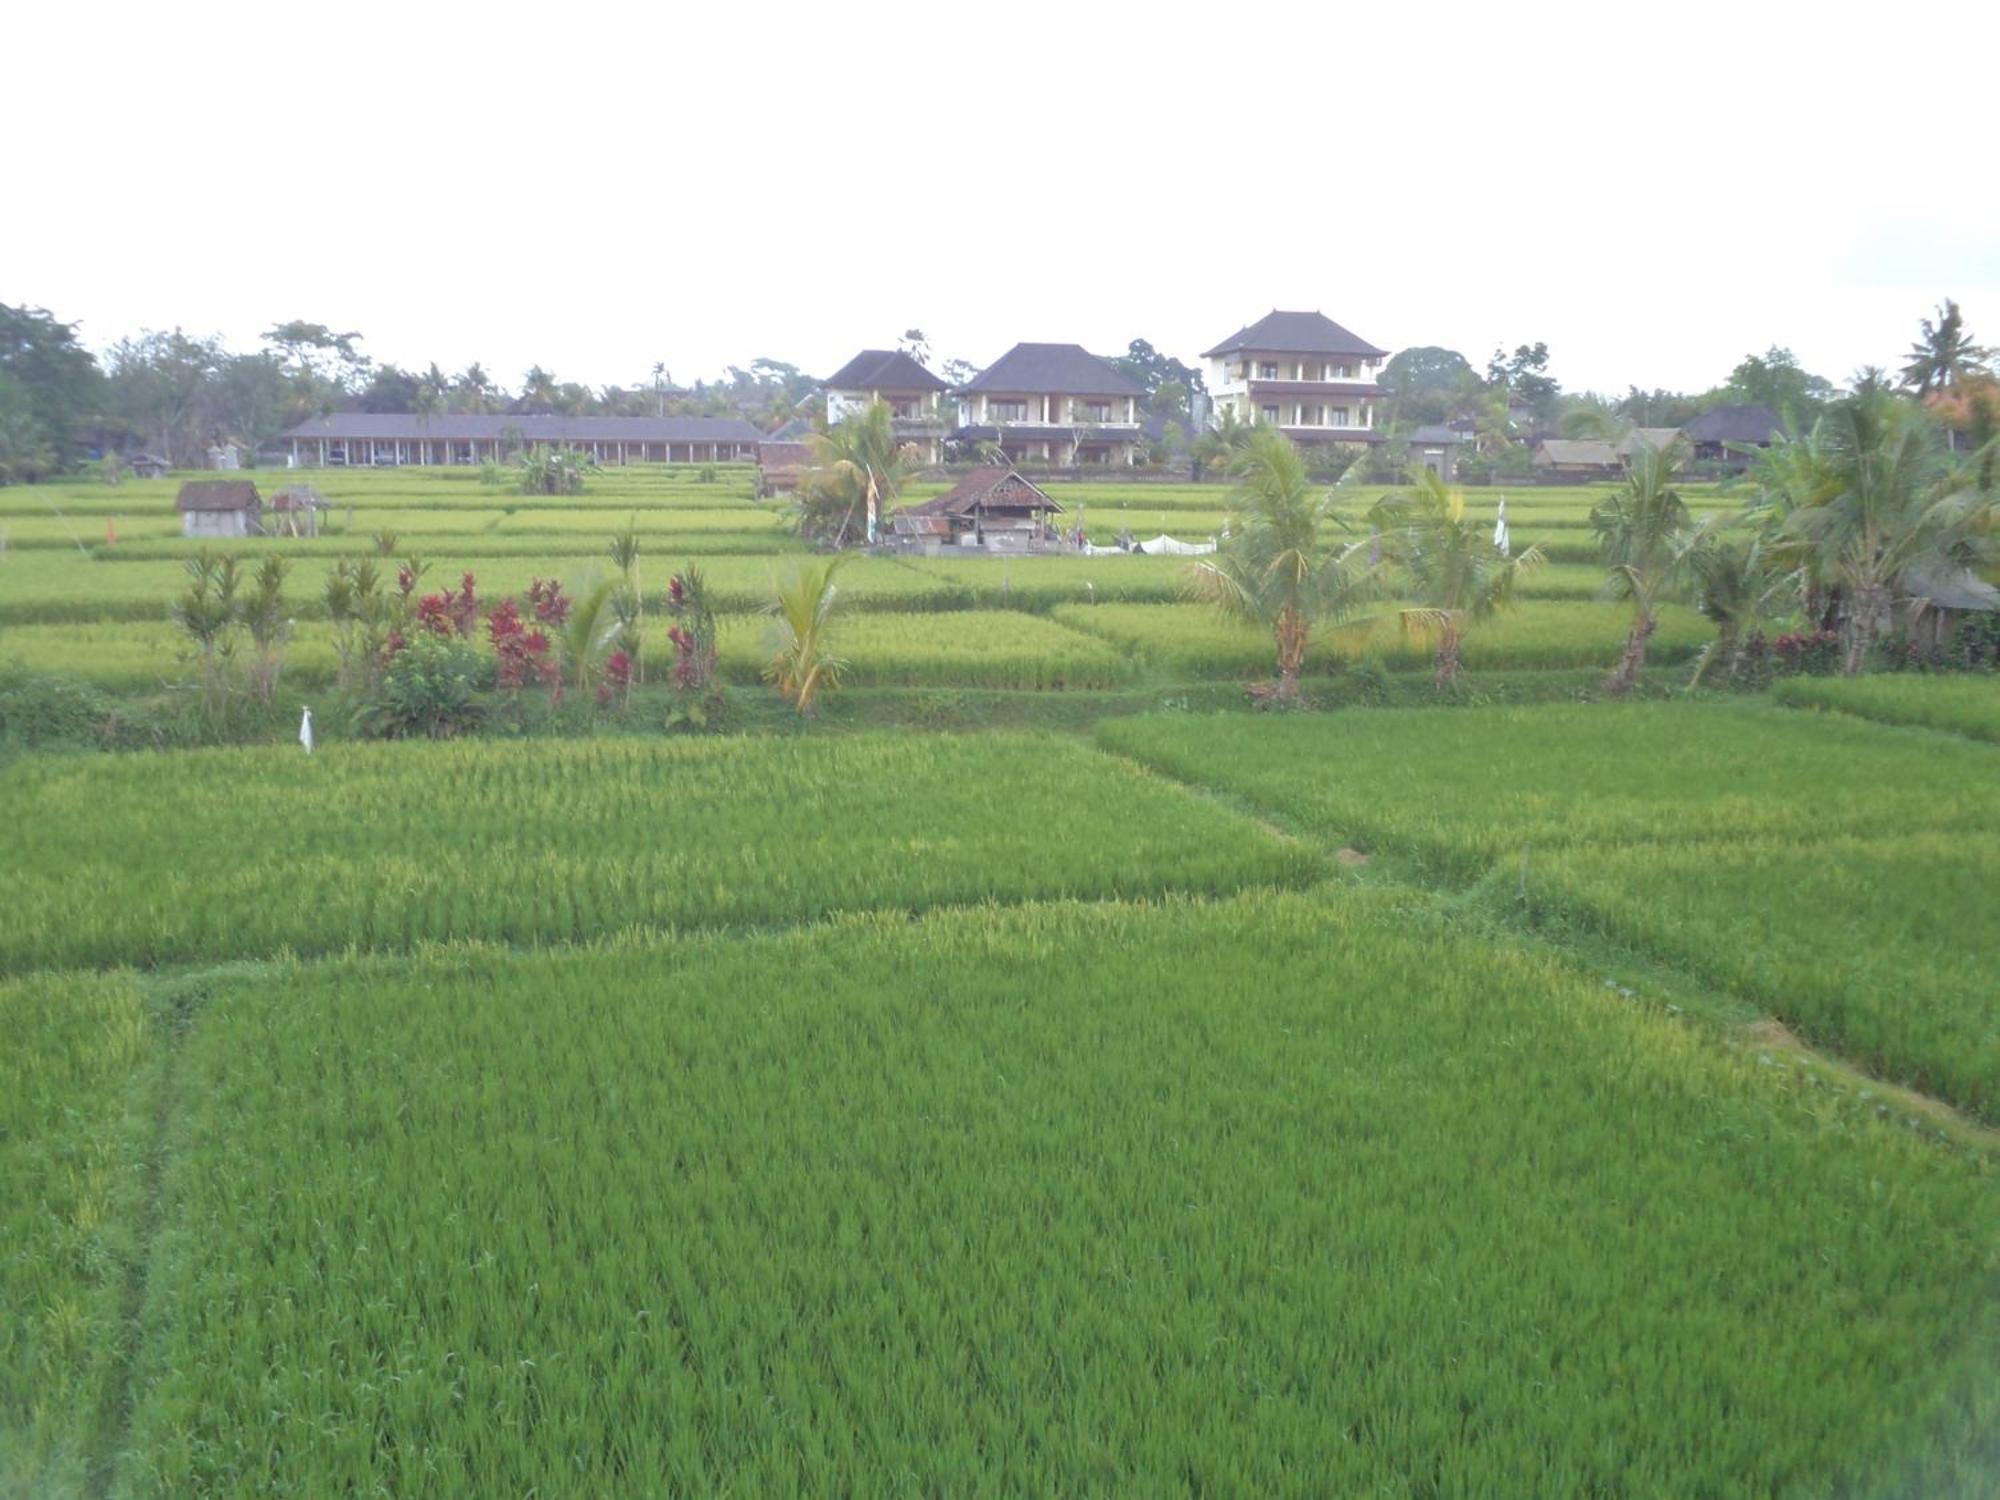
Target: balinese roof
(783, 455)
(883, 370)
(533, 428)
(1296, 333)
(1952, 588)
(1059, 369)
(1436, 432)
(1574, 452)
(1736, 424)
(218, 494)
(794, 431)
(1657, 438)
(987, 489)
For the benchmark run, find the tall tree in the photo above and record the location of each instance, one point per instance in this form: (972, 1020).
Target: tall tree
(1525, 374)
(55, 390)
(1151, 369)
(1427, 384)
(1281, 568)
(1777, 380)
(1945, 356)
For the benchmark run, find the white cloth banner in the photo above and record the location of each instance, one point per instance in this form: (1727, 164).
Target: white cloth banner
(306, 731)
(1501, 542)
(1166, 546)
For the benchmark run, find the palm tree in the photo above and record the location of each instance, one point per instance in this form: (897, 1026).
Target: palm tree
(538, 390)
(587, 631)
(474, 389)
(1945, 355)
(858, 471)
(1456, 575)
(1737, 579)
(1279, 569)
(1220, 444)
(1889, 503)
(802, 663)
(1642, 528)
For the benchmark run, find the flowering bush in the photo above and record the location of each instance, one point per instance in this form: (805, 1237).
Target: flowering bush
(522, 654)
(453, 612)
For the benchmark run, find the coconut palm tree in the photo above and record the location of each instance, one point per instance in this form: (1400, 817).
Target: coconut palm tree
(1642, 528)
(1738, 581)
(1280, 568)
(1945, 355)
(802, 663)
(1889, 504)
(1220, 444)
(1455, 574)
(859, 470)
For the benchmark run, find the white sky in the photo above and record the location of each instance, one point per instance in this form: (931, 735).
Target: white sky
(595, 186)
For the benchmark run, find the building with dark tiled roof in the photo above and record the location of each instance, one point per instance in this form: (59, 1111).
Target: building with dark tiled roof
(1055, 404)
(356, 438)
(1302, 373)
(911, 392)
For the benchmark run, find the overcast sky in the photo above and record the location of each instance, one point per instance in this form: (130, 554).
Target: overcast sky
(596, 188)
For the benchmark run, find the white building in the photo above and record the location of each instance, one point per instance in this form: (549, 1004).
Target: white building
(1054, 404)
(912, 394)
(1302, 373)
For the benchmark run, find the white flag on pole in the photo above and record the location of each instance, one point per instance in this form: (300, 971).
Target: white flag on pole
(306, 731)
(1500, 539)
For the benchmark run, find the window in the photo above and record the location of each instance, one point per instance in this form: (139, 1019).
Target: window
(1097, 411)
(1267, 372)
(1312, 416)
(1268, 414)
(1343, 372)
(1340, 416)
(1007, 411)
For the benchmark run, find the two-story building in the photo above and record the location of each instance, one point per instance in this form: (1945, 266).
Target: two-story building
(1054, 404)
(1302, 373)
(911, 393)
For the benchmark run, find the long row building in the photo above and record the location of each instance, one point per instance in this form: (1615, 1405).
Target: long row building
(1055, 405)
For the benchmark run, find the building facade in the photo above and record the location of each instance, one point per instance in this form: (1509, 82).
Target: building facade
(353, 439)
(913, 395)
(1053, 404)
(1302, 373)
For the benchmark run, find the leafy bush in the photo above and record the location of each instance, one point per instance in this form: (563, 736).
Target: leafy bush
(52, 710)
(429, 690)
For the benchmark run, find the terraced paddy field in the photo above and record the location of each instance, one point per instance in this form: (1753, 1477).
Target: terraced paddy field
(1007, 1113)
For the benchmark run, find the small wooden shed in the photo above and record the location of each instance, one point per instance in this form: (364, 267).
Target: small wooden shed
(149, 466)
(220, 508)
(994, 508)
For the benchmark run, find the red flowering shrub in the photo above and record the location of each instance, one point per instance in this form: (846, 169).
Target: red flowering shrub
(549, 602)
(521, 655)
(453, 612)
(617, 679)
(1813, 651)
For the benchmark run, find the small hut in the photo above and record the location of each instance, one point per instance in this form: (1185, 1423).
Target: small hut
(1574, 461)
(1945, 599)
(993, 508)
(149, 466)
(1659, 439)
(779, 466)
(298, 508)
(220, 508)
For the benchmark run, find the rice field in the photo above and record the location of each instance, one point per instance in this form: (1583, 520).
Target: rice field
(1453, 793)
(998, 1113)
(1968, 705)
(1024, 1201)
(1532, 634)
(1916, 999)
(252, 852)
